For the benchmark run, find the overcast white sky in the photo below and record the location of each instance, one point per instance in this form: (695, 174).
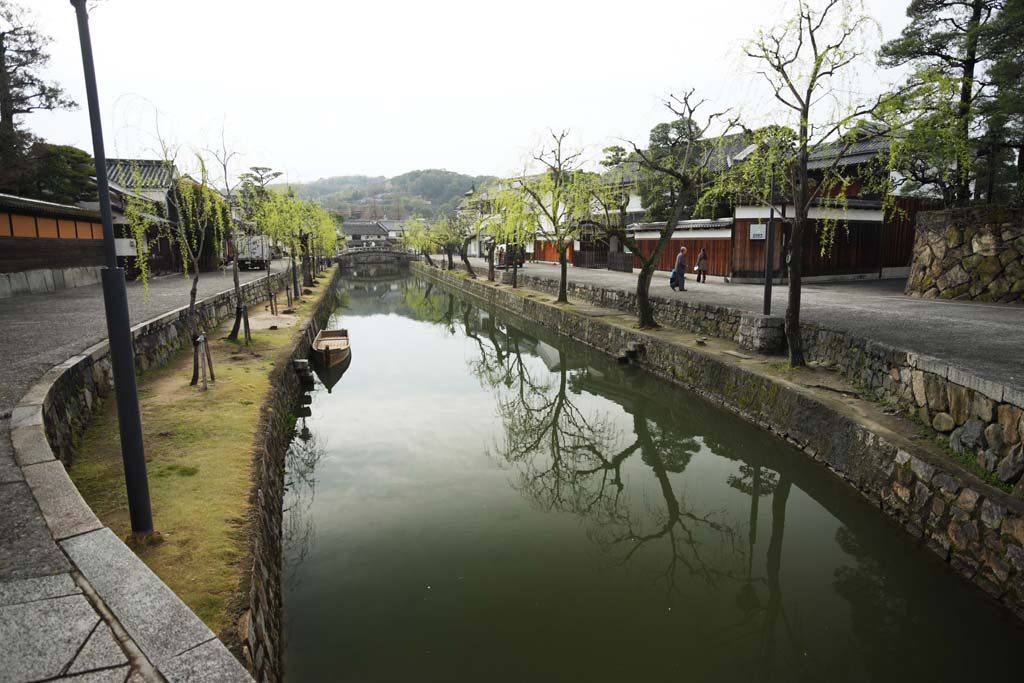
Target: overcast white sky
(379, 87)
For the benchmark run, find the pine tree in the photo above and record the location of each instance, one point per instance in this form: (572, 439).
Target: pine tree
(23, 90)
(944, 43)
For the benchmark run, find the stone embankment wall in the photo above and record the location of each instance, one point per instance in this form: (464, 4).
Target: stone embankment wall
(977, 528)
(260, 624)
(47, 280)
(973, 253)
(44, 426)
(983, 420)
(90, 376)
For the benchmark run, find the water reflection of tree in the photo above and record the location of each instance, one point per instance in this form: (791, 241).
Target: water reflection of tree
(571, 461)
(301, 460)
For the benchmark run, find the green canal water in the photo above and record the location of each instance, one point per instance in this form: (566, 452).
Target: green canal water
(480, 500)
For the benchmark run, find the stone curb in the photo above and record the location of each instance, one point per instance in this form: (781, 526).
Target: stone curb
(168, 633)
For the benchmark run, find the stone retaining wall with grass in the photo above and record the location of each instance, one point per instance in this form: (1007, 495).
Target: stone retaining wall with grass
(260, 624)
(982, 420)
(971, 253)
(966, 519)
(44, 427)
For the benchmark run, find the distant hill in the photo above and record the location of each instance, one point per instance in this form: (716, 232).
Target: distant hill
(427, 193)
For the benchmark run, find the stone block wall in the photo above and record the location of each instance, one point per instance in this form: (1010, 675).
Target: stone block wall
(971, 253)
(715, 321)
(958, 405)
(260, 626)
(975, 527)
(90, 377)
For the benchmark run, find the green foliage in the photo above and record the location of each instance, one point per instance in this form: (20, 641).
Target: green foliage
(938, 116)
(23, 90)
(57, 173)
(559, 196)
(430, 193)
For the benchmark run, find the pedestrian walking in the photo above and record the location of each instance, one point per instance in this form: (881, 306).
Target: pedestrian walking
(678, 278)
(702, 265)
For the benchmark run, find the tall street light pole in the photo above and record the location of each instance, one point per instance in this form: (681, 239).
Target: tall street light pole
(115, 301)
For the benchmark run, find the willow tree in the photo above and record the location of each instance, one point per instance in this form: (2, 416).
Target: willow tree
(558, 197)
(513, 223)
(804, 60)
(419, 238)
(675, 164)
(252, 196)
(228, 188)
(201, 217)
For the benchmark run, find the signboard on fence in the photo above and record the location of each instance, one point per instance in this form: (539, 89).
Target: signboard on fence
(758, 231)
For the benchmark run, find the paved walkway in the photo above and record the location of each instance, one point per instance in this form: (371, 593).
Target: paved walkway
(45, 616)
(984, 339)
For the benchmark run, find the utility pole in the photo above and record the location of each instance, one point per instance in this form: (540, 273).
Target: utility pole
(115, 301)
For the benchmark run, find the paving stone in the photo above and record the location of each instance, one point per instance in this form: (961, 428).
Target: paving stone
(101, 651)
(9, 470)
(117, 675)
(26, 547)
(26, 415)
(210, 662)
(154, 617)
(65, 511)
(40, 638)
(37, 588)
(30, 445)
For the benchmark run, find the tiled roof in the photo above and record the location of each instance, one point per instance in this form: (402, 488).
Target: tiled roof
(141, 174)
(37, 207)
(363, 228)
(860, 152)
(694, 224)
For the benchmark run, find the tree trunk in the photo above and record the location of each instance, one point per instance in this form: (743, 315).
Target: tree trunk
(193, 324)
(563, 279)
(963, 182)
(490, 261)
(295, 276)
(463, 254)
(515, 273)
(1020, 173)
(426, 254)
(643, 296)
(796, 248)
(645, 312)
(8, 135)
(307, 272)
(449, 252)
(270, 289)
(793, 340)
(239, 305)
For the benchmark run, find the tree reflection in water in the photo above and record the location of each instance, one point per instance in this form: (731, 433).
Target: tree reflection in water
(569, 461)
(298, 530)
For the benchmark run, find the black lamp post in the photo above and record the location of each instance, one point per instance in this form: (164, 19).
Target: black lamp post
(115, 301)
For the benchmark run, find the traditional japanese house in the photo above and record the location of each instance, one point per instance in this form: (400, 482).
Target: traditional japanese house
(46, 246)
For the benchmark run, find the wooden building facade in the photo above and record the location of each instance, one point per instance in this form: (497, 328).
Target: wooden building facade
(38, 235)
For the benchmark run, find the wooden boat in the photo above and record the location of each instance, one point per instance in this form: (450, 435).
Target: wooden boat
(331, 347)
(331, 376)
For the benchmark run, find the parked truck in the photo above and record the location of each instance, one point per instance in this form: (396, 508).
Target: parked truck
(253, 252)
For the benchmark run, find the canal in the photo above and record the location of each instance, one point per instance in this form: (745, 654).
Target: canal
(480, 500)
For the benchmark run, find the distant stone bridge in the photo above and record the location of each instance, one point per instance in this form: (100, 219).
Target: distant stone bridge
(364, 256)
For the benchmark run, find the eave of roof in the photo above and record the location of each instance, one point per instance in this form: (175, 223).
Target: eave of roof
(39, 207)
